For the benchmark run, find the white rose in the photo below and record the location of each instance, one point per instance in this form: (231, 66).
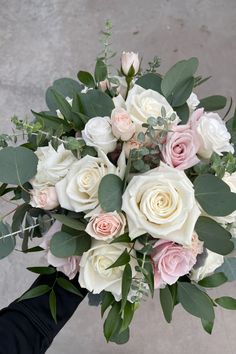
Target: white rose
(98, 133)
(192, 102)
(161, 202)
(69, 266)
(213, 135)
(78, 191)
(58, 112)
(229, 179)
(52, 166)
(44, 198)
(212, 262)
(142, 104)
(94, 274)
(129, 60)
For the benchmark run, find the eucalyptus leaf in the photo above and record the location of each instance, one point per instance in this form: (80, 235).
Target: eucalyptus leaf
(100, 71)
(18, 165)
(72, 223)
(150, 81)
(167, 304)
(110, 193)
(86, 78)
(67, 87)
(183, 113)
(7, 244)
(215, 237)
(64, 245)
(213, 103)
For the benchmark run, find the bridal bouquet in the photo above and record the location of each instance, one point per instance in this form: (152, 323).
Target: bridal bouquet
(130, 181)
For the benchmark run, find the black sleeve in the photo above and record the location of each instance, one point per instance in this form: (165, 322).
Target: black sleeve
(27, 327)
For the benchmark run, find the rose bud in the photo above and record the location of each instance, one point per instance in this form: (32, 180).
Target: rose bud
(129, 61)
(122, 126)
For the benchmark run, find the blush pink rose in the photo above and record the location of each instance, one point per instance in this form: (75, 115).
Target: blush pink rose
(180, 148)
(106, 226)
(129, 60)
(44, 198)
(131, 145)
(122, 126)
(171, 261)
(69, 266)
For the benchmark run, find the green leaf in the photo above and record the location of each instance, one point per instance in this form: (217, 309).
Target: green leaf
(123, 238)
(34, 249)
(72, 223)
(183, 113)
(67, 87)
(120, 338)
(35, 292)
(182, 92)
(112, 322)
(196, 302)
(207, 326)
(95, 103)
(127, 315)
(19, 216)
(107, 301)
(229, 268)
(49, 121)
(18, 165)
(123, 259)
(7, 244)
(213, 103)
(214, 195)
(86, 78)
(110, 193)
(226, 302)
(53, 305)
(213, 280)
(150, 81)
(68, 286)
(215, 237)
(56, 101)
(100, 71)
(178, 74)
(64, 245)
(42, 270)
(167, 304)
(126, 284)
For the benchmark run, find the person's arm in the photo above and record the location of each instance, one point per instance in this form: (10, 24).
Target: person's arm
(27, 327)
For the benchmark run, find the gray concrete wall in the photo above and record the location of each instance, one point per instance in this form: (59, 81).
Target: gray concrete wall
(42, 40)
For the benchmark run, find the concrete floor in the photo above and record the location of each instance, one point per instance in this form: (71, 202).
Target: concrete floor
(41, 41)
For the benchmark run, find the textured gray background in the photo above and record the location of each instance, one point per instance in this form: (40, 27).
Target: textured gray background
(42, 40)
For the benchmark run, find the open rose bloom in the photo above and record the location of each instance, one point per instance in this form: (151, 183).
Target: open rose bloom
(129, 182)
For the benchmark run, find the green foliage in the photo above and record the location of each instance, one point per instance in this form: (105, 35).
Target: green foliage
(122, 238)
(213, 280)
(207, 325)
(128, 314)
(150, 81)
(110, 193)
(214, 195)
(123, 259)
(100, 70)
(183, 113)
(64, 245)
(112, 322)
(42, 270)
(70, 222)
(66, 87)
(177, 84)
(18, 165)
(226, 302)
(153, 65)
(213, 103)
(107, 301)
(195, 301)
(215, 237)
(126, 284)
(35, 292)
(86, 78)
(7, 244)
(53, 305)
(167, 304)
(229, 268)
(95, 103)
(55, 101)
(68, 286)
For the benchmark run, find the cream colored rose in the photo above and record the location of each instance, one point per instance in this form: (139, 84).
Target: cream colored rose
(98, 133)
(162, 203)
(106, 226)
(129, 60)
(122, 126)
(142, 104)
(44, 198)
(53, 165)
(94, 274)
(212, 262)
(78, 191)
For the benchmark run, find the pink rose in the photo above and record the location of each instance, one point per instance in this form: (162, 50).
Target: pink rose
(180, 148)
(106, 226)
(171, 261)
(122, 126)
(129, 60)
(44, 198)
(69, 266)
(131, 145)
